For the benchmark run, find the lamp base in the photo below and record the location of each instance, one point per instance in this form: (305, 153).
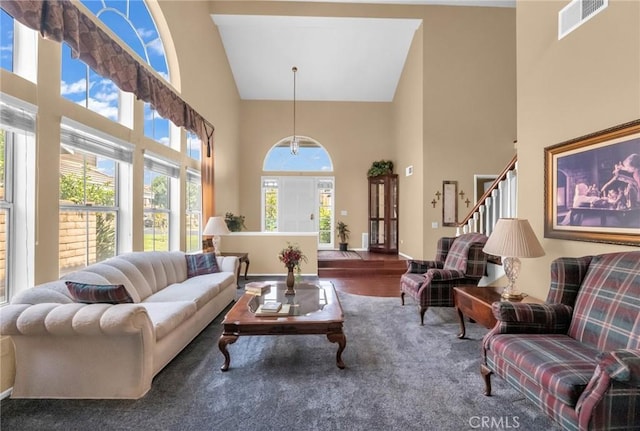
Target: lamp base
(509, 295)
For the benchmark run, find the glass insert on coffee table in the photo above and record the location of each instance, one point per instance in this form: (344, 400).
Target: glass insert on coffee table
(314, 309)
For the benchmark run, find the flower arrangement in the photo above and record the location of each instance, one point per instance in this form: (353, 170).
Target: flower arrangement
(291, 256)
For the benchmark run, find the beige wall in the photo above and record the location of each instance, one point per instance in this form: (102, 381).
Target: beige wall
(469, 103)
(264, 248)
(208, 85)
(407, 111)
(354, 135)
(586, 82)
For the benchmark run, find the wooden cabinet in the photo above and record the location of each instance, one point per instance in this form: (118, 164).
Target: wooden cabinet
(383, 213)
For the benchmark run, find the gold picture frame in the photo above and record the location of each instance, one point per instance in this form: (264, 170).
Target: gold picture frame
(592, 187)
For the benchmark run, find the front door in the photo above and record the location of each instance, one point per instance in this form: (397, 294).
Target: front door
(297, 205)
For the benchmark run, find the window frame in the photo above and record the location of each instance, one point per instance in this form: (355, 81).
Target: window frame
(88, 208)
(18, 123)
(169, 169)
(193, 177)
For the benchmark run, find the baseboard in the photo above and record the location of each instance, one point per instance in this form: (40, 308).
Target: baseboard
(6, 393)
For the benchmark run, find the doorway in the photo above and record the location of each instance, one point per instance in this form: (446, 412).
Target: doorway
(299, 204)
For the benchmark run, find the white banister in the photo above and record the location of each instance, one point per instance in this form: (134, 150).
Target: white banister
(500, 201)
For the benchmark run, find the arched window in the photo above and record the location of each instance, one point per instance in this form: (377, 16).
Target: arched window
(131, 21)
(294, 203)
(311, 157)
(6, 41)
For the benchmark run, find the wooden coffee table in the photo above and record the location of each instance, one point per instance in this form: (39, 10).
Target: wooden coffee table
(475, 303)
(314, 309)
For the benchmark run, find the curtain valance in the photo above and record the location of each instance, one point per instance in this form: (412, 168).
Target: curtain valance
(61, 20)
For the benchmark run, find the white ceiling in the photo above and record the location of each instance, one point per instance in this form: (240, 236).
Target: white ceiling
(338, 59)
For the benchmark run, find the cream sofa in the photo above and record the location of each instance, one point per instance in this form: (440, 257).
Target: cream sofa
(67, 349)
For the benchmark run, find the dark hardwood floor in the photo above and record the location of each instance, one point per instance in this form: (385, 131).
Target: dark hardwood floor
(376, 274)
(374, 285)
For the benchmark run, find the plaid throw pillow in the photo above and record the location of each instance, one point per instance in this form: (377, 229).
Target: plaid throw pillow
(201, 263)
(95, 293)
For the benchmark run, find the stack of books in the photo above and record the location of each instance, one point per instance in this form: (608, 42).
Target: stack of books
(273, 309)
(257, 287)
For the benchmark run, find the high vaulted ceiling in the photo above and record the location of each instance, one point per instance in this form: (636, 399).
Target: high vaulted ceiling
(338, 58)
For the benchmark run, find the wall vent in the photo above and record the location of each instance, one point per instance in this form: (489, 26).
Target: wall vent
(577, 13)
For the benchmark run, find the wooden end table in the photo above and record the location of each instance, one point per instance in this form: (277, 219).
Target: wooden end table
(475, 302)
(242, 257)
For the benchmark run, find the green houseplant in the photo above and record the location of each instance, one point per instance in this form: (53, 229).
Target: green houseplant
(343, 234)
(235, 223)
(380, 167)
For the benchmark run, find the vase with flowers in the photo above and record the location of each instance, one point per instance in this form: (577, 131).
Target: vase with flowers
(291, 256)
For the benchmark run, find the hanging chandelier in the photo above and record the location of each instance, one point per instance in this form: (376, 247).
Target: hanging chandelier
(294, 146)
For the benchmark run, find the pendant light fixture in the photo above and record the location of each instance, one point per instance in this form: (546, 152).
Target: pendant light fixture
(294, 146)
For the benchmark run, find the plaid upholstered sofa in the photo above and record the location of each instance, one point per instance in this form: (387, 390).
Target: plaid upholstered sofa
(459, 260)
(578, 355)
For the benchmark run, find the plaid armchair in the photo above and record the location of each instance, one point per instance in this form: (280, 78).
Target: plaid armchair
(577, 357)
(459, 261)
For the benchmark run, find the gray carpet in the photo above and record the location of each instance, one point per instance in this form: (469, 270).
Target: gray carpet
(399, 376)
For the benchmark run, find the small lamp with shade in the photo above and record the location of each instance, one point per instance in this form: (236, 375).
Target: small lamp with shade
(215, 227)
(512, 239)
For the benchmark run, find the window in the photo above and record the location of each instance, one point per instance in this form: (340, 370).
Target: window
(6, 211)
(194, 146)
(325, 210)
(14, 35)
(6, 41)
(156, 127)
(90, 169)
(194, 211)
(270, 204)
(311, 157)
(132, 23)
(17, 194)
(83, 86)
(159, 177)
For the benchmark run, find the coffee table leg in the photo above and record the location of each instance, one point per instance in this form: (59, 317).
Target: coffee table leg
(338, 337)
(463, 330)
(222, 345)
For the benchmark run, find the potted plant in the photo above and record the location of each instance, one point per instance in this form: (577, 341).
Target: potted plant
(235, 223)
(343, 235)
(380, 167)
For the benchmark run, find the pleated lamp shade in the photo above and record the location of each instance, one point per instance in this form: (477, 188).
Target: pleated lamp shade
(216, 226)
(513, 237)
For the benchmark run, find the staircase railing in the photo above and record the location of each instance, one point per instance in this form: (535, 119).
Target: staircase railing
(499, 201)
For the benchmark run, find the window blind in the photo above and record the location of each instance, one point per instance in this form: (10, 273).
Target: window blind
(90, 141)
(161, 166)
(193, 176)
(17, 118)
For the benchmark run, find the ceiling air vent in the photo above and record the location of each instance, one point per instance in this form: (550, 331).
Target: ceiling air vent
(577, 13)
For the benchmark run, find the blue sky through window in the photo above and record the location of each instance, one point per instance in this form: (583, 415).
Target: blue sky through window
(311, 157)
(6, 41)
(131, 21)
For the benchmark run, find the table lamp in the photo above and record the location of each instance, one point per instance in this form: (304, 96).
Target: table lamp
(511, 239)
(215, 227)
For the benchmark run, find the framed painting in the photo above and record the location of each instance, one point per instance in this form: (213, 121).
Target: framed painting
(449, 203)
(592, 187)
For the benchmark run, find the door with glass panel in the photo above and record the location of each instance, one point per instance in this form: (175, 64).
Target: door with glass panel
(299, 204)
